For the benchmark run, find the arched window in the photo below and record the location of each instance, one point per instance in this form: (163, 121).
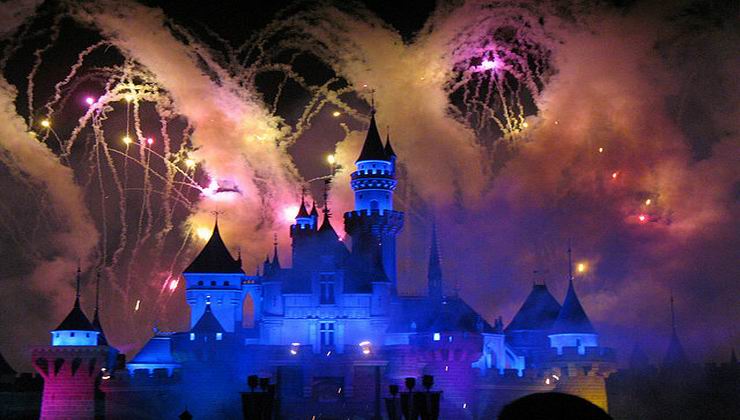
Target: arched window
(248, 311)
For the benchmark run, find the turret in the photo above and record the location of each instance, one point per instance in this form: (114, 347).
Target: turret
(71, 366)
(215, 276)
(374, 224)
(572, 328)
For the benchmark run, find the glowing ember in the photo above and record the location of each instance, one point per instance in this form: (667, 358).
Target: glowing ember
(615, 175)
(203, 233)
(190, 163)
(173, 284)
(89, 100)
(138, 305)
(45, 123)
(290, 212)
(331, 159)
(150, 141)
(127, 139)
(489, 64)
(336, 113)
(648, 202)
(601, 150)
(642, 218)
(129, 97)
(581, 267)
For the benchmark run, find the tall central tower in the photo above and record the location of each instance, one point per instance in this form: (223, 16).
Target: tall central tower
(373, 224)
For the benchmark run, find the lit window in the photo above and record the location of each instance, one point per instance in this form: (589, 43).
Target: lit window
(326, 332)
(192, 336)
(219, 336)
(449, 339)
(327, 289)
(437, 337)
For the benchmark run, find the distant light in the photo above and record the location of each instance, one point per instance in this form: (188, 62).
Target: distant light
(331, 159)
(203, 233)
(557, 122)
(89, 100)
(365, 346)
(173, 284)
(437, 337)
(289, 213)
(45, 123)
(465, 405)
(150, 141)
(328, 353)
(295, 344)
(614, 175)
(138, 304)
(489, 64)
(294, 348)
(601, 150)
(127, 139)
(642, 218)
(336, 114)
(129, 97)
(648, 202)
(190, 163)
(365, 85)
(447, 368)
(581, 267)
(547, 381)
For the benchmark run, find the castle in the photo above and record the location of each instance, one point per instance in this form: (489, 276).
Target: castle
(331, 331)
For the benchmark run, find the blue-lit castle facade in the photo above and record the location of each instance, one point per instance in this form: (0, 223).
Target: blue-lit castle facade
(332, 332)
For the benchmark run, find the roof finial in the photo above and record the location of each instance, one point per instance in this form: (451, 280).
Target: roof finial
(570, 262)
(326, 197)
(673, 315)
(372, 101)
(97, 291)
(79, 274)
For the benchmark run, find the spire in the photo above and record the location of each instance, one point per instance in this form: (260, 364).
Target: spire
(674, 355)
(215, 257)
(434, 272)
(538, 312)
(314, 210)
(76, 320)
(102, 340)
(77, 292)
(275, 259)
(373, 148)
(388, 149)
(302, 212)
(572, 318)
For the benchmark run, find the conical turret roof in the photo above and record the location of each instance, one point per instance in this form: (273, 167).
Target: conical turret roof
(572, 318)
(5, 368)
(538, 312)
(208, 323)
(76, 320)
(389, 152)
(302, 212)
(373, 148)
(214, 257)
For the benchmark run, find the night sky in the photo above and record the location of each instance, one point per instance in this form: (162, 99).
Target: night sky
(520, 126)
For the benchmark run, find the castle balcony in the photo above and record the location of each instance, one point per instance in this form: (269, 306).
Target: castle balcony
(374, 173)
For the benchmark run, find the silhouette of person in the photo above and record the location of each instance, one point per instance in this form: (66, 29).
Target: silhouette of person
(552, 406)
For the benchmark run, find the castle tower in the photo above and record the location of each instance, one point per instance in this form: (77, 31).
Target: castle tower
(572, 328)
(578, 361)
(434, 272)
(674, 355)
(217, 277)
(71, 366)
(373, 224)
